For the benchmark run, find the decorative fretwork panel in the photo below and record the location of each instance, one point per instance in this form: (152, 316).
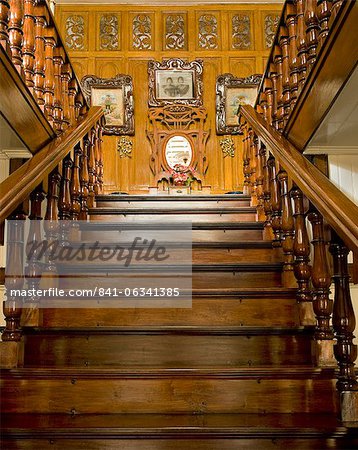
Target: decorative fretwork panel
(142, 32)
(271, 22)
(241, 32)
(75, 32)
(208, 32)
(109, 32)
(175, 26)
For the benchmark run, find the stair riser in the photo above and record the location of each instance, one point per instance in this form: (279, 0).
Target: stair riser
(197, 235)
(178, 395)
(165, 350)
(269, 443)
(208, 312)
(200, 280)
(170, 204)
(175, 218)
(188, 255)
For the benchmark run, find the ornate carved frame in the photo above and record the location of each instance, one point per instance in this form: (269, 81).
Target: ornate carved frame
(172, 120)
(176, 64)
(223, 83)
(120, 81)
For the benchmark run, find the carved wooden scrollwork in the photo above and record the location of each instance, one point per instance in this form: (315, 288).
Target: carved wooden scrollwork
(119, 110)
(173, 69)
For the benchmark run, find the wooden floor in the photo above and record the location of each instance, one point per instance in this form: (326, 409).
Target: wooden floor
(233, 372)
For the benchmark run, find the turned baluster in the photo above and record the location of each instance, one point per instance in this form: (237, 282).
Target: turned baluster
(91, 171)
(312, 29)
(264, 106)
(301, 44)
(269, 97)
(75, 187)
(286, 92)
(49, 88)
(287, 225)
(28, 45)
(66, 75)
(253, 164)
(64, 201)
(51, 225)
(275, 201)
(336, 6)
(279, 86)
(39, 66)
(15, 32)
(72, 92)
(321, 278)
(4, 23)
(57, 100)
(100, 162)
(301, 248)
(323, 15)
(84, 180)
(246, 158)
(33, 249)
(261, 156)
(343, 317)
(80, 104)
(14, 278)
(273, 77)
(267, 197)
(97, 157)
(291, 23)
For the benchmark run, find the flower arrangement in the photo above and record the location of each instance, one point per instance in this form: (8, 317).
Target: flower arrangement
(182, 175)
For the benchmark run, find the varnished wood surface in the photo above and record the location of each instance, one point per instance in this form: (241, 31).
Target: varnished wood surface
(277, 308)
(197, 432)
(91, 349)
(167, 215)
(20, 109)
(189, 201)
(22, 182)
(336, 208)
(169, 391)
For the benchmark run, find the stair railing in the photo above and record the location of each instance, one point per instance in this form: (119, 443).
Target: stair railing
(303, 29)
(288, 189)
(68, 171)
(29, 36)
(62, 169)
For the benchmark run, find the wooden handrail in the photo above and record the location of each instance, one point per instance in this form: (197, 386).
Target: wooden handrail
(23, 181)
(339, 212)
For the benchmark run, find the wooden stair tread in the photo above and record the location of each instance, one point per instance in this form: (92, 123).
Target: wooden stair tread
(303, 372)
(173, 198)
(165, 425)
(166, 330)
(145, 211)
(249, 225)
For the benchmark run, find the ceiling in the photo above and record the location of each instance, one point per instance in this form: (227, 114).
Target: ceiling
(165, 2)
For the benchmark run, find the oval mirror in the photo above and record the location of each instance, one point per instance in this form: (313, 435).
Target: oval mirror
(178, 151)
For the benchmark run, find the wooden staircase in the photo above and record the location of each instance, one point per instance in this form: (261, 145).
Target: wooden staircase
(233, 372)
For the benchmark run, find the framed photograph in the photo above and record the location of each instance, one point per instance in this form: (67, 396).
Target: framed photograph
(232, 92)
(115, 95)
(175, 81)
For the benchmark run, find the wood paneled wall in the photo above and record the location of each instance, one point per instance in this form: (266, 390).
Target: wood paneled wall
(105, 57)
